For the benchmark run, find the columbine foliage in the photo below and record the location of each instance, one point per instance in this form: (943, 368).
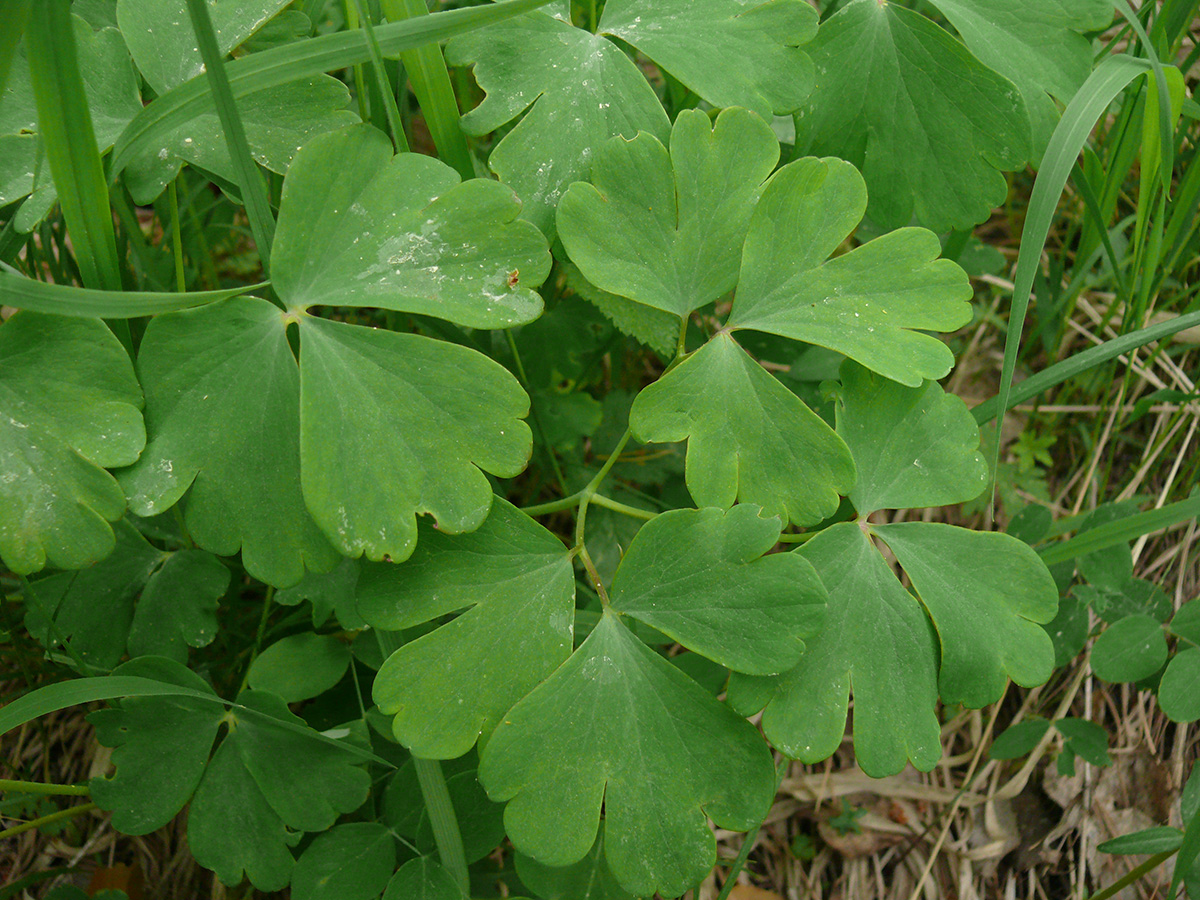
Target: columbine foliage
(571, 469)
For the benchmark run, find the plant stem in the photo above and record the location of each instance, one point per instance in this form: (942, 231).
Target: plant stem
(442, 819)
(41, 787)
(542, 509)
(616, 506)
(47, 820)
(1133, 875)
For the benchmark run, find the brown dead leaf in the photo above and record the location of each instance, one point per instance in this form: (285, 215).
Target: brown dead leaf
(747, 892)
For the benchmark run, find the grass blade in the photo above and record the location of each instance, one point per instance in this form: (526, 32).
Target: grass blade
(1108, 80)
(386, 93)
(65, 126)
(65, 300)
(249, 178)
(1081, 362)
(1121, 531)
(280, 65)
(426, 68)
(64, 694)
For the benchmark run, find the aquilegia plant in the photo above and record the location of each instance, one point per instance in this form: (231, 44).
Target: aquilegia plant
(499, 430)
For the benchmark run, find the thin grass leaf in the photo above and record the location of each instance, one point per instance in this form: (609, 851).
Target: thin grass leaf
(290, 62)
(65, 694)
(387, 95)
(1121, 531)
(1081, 362)
(1109, 79)
(14, 14)
(250, 181)
(65, 300)
(65, 126)
(1160, 79)
(426, 68)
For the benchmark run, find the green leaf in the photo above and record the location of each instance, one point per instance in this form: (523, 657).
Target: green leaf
(730, 52)
(278, 122)
(112, 100)
(329, 593)
(432, 415)
(451, 686)
(233, 830)
(579, 89)
(361, 227)
(1179, 690)
(666, 229)
(1019, 739)
(656, 329)
(597, 731)
(94, 607)
(178, 606)
(161, 746)
(353, 861)
(1130, 649)
(877, 640)
(1134, 597)
(222, 407)
(700, 577)
(1150, 840)
(1069, 629)
(913, 447)
(301, 666)
(1037, 45)
(749, 438)
(423, 879)
(1186, 623)
(988, 594)
(588, 879)
(160, 37)
(56, 434)
(1086, 739)
(281, 65)
(866, 304)
(926, 122)
(318, 782)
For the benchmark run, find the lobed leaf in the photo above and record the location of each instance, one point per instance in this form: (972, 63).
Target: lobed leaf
(867, 304)
(929, 126)
(429, 416)
(701, 578)
(877, 642)
(1040, 46)
(749, 437)
(618, 725)
(361, 227)
(451, 686)
(913, 447)
(222, 406)
(987, 594)
(576, 89)
(69, 406)
(160, 748)
(730, 52)
(665, 228)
